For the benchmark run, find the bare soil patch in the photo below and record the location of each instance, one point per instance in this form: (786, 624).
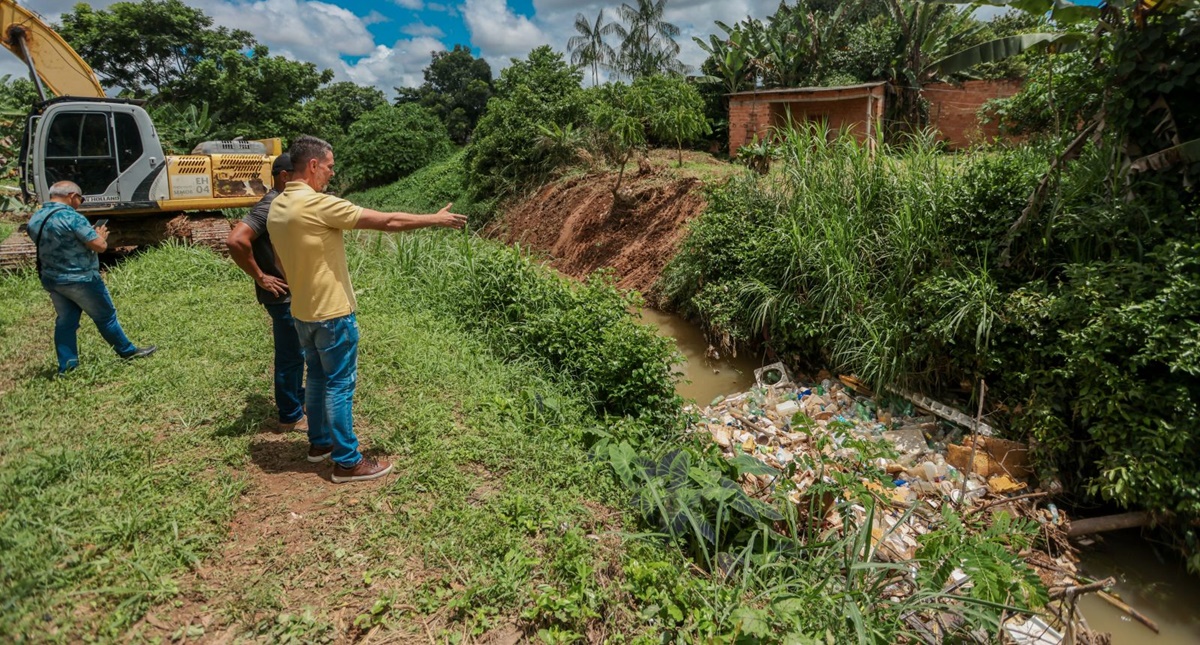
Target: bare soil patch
(574, 222)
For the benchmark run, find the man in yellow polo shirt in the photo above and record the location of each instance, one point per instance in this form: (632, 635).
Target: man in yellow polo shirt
(306, 227)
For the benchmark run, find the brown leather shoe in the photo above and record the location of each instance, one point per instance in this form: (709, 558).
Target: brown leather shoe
(300, 425)
(362, 471)
(318, 454)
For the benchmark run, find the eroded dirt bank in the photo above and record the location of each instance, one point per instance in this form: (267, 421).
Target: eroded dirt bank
(574, 222)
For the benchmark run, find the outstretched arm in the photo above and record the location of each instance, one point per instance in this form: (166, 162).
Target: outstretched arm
(396, 222)
(241, 250)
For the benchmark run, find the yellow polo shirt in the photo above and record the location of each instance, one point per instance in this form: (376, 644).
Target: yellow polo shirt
(306, 230)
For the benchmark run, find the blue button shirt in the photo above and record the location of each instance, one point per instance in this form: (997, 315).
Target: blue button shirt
(62, 234)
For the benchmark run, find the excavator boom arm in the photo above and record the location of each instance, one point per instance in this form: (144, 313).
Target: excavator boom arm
(52, 61)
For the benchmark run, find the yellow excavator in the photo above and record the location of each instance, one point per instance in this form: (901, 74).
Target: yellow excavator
(110, 148)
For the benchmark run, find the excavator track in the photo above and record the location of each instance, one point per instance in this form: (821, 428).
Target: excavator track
(17, 252)
(207, 229)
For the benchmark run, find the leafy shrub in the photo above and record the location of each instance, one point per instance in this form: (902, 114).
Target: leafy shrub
(539, 92)
(671, 109)
(582, 332)
(391, 142)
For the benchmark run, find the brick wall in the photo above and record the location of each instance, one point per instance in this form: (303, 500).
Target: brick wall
(753, 114)
(953, 110)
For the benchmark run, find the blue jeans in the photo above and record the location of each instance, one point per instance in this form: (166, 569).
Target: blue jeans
(289, 364)
(72, 299)
(331, 352)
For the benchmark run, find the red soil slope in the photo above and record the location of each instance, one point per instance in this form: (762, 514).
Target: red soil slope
(574, 223)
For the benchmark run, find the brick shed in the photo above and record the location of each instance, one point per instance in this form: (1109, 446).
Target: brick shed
(860, 108)
(856, 108)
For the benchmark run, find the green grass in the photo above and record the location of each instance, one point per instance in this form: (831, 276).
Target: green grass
(151, 500)
(121, 478)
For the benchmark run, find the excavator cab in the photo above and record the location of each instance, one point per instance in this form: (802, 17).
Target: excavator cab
(109, 148)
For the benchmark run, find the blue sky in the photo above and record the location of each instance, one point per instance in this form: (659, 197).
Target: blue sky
(387, 43)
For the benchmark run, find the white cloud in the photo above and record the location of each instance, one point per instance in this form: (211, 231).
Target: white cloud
(401, 65)
(499, 33)
(304, 30)
(375, 18)
(415, 5)
(422, 29)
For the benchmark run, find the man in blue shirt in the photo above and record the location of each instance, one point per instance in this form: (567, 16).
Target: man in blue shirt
(250, 247)
(68, 264)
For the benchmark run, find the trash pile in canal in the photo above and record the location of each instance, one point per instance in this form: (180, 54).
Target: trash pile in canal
(936, 459)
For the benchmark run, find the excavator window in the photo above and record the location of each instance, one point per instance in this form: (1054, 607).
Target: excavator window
(129, 140)
(79, 148)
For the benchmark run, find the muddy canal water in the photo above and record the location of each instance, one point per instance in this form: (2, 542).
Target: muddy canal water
(1160, 589)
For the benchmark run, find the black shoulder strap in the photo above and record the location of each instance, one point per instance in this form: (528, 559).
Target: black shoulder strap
(37, 241)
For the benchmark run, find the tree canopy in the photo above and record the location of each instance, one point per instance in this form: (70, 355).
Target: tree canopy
(148, 47)
(456, 89)
(171, 53)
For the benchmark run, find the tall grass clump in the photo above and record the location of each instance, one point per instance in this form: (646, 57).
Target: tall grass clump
(823, 253)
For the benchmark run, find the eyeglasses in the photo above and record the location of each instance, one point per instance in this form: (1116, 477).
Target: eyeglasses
(82, 199)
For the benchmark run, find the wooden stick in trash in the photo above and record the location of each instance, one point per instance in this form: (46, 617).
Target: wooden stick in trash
(1133, 613)
(962, 492)
(1079, 590)
(1006, 500)
(745, 420)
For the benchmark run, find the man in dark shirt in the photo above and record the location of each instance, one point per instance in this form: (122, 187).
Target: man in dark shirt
(250, 246)
(70, 271)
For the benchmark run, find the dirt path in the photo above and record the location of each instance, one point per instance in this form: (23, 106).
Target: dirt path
(292, 547)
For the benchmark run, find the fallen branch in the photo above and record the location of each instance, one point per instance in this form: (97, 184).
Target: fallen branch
(1090, 525)
(1039, 194)
(1072, 591)
(1133, 613)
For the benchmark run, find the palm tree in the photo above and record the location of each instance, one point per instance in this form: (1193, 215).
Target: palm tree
(588, 49)
(648, 41)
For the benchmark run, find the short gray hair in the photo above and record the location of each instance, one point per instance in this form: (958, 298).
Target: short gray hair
(64, 188)
(307, 147)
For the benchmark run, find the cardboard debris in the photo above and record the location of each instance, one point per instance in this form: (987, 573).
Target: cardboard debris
(1002, 484)
(992, 457)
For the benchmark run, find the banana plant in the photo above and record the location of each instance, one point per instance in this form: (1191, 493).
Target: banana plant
(731, 56)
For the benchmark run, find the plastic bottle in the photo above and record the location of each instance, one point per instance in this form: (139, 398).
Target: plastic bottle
(940, 465)
(930, 471)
